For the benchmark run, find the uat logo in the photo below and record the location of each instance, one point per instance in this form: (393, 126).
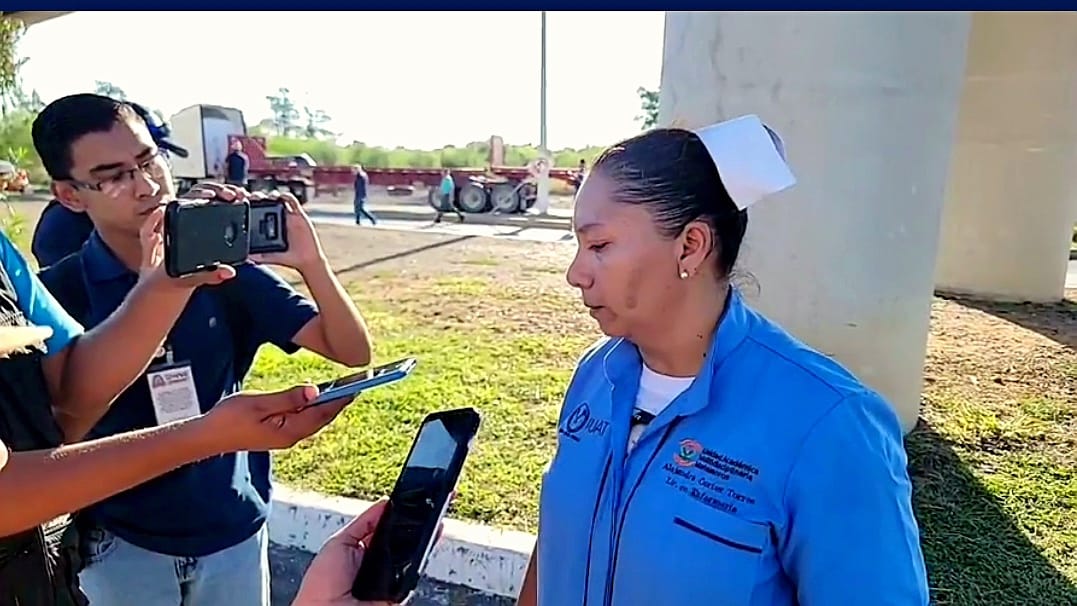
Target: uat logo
(688, 453)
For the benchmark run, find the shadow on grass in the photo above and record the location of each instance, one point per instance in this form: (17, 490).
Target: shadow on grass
(1056, 321)
(296, 281)
(976, 555)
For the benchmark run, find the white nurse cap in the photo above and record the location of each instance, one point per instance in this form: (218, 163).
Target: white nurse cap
(750, 158)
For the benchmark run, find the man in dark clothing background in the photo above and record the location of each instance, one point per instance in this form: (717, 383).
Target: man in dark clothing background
(236, 165)
(361, 182)
(59, 232)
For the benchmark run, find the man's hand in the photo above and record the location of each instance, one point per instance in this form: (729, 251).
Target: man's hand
(328, 580)
(151, 236)
(267, 421)
(304, 249)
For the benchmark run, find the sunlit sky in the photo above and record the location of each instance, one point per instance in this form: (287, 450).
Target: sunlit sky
(416, 79)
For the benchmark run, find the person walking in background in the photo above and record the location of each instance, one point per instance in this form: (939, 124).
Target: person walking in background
(577, 177)
(236, 166)
(448, 186)
(361, 183)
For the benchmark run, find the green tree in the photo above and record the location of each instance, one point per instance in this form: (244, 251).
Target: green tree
(284, 113)
(11, 97)
(109, 89)
(648, 100)
(316, 120)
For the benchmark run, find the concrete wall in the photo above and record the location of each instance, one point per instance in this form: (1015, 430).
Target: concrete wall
(867, 106)
(1012, 195)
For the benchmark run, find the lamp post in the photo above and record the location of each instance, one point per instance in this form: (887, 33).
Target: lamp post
(542, 201)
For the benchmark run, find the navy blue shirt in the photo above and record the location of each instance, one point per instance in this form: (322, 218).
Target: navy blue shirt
(214, 504)
(360, 185)
(236, 165)
(60, 231)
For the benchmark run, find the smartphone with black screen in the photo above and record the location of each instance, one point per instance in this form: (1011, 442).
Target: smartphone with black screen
(401, 544)
(268, 226)
(201, 235)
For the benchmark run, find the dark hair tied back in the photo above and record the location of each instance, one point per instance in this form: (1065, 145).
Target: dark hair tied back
(669, 171)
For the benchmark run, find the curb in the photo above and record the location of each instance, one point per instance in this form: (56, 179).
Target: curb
(427, 214)
(470, 555)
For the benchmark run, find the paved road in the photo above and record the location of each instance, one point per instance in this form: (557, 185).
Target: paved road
(450, 226)
(339, 216)
(288, 564)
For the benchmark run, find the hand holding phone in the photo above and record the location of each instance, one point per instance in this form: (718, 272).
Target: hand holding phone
(201, 235)
(405, 534)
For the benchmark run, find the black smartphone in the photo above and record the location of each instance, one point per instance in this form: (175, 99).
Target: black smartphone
(402, 541)
(203, 234)
(269, 226)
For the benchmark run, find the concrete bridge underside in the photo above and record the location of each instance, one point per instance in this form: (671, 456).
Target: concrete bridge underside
(933, 150)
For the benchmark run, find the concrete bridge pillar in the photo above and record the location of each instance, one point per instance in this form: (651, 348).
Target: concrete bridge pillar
(1011, 200)
(867, 105)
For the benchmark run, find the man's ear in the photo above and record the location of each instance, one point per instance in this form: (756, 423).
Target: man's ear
(69, 196)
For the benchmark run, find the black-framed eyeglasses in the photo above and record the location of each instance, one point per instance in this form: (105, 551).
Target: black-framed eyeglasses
(152, 167)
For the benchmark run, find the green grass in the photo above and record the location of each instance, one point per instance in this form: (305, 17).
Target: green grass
(516, 378)
(996, 498)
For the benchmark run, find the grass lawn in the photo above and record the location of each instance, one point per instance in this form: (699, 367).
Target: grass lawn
(477, 346)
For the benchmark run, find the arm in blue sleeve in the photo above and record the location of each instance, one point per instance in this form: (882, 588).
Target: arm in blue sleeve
(851, 536)
(35, 301)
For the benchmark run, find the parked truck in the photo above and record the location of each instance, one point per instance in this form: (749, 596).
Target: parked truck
(208, 131)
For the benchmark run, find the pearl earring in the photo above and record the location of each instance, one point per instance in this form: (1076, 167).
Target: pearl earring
(684, 274)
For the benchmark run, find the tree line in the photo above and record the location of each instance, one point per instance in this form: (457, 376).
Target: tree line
(290, 129)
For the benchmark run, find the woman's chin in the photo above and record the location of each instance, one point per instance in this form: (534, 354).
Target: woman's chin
(607, 322)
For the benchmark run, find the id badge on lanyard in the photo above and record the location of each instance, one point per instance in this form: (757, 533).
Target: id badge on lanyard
(172, 388)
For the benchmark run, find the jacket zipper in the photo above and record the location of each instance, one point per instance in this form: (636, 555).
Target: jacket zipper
(594, 519)
(615, 552)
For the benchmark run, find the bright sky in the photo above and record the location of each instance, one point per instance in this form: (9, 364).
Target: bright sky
(415, 79)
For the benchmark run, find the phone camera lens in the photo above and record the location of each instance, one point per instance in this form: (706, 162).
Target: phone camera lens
(230, 234)
(270, 229)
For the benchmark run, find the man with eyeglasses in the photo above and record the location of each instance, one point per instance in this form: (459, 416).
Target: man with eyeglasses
(61, 231)
(197, 536)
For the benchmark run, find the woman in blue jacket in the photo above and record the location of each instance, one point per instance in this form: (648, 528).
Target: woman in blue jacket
(704, 455)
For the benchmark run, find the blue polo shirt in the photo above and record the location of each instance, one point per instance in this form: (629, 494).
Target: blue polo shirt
(59, 232)
(35, 302)
(775, 479)
(207, 506)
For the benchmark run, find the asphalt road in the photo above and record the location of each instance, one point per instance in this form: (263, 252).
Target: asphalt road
(451, 227)
(288, 565)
